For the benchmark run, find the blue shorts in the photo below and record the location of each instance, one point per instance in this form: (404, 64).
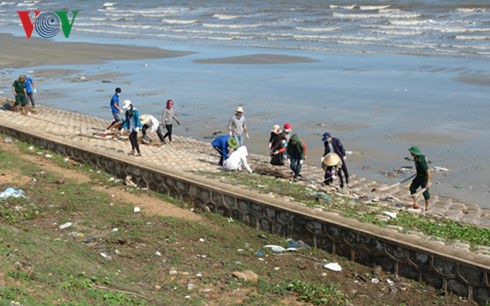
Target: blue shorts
(117, 117)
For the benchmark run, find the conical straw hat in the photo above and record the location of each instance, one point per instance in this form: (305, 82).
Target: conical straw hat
(331, 159)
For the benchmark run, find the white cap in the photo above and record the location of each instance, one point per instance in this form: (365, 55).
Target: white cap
(127, 104)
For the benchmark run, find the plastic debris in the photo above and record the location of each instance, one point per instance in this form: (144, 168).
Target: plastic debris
(106, 256)
(441, 169)
(12, 192)
(390, 214)
(65, 225)
(375, 280)
(137, 209)
(158, 253)
(275, 248)
(8, 140)
(333, 266)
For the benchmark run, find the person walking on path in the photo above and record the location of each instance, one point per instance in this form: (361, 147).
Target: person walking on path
(116, 110)
(422, 179)
(237, 160)
(237, 126)
(296, 153)
(222, 144)
(150, 122)
(277, 146)
(20, 94)
(133, 124)
(30, 90)
(333, 144)
(167, 117)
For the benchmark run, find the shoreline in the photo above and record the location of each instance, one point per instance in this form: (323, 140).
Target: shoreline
(62, 79)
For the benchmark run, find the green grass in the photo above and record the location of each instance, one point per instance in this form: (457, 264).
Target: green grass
(365, 212)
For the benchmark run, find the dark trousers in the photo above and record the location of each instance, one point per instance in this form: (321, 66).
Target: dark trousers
(295, 166)
(417, 182)
(133, 138)
(221, 156)
(328, 174)
(159, 132)
(169, 132)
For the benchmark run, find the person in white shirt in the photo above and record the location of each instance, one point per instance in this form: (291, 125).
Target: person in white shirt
(150, 122)
(237, 159)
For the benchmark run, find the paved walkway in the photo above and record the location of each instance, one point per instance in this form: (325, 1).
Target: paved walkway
(189, 155)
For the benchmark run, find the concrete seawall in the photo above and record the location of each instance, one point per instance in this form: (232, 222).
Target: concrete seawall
(452, 269)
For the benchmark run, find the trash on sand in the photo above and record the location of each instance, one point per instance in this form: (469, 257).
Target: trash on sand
(275, 248)
(137, 209)
(390, 214)
(8, 140)
(65, 225)
(12, 192)
(300, 244)
(158, 253)
(129, 182)
(333, 266)
(375, 280)
(48, 156)
(322, 196)
(441, 169)
(259, 253)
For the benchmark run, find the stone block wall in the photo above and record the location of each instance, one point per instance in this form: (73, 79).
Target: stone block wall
(461, 274)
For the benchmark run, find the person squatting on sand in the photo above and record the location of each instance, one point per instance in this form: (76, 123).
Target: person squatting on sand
(20, 93)
(331, 164)
(167, 117)
(237, 126)
(116, 111)
(133, 124)
(277, 146)
(237, 160)
(150, 122)
(296, 152)
(332, 144)
(222, 144)
(422, 179)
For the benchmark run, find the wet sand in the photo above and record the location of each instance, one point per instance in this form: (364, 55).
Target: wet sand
(335, 95)
(20, 52)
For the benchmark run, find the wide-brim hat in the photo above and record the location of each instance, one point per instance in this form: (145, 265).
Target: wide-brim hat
(144, 119)
(232, 143)
(415, 150)
(331, 159)
(127, 104)
(239, 110)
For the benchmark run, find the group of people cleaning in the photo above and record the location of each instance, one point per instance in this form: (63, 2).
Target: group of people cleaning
(285, 146)
(134, 122)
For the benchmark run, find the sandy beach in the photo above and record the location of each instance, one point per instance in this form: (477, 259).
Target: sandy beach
(349, 96)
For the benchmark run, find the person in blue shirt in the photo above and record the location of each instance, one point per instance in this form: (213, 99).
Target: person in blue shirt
(222, 144)
(30, 89)
(133, 124)
(116, 111)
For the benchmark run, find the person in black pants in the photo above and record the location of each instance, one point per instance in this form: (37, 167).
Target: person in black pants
(167, 117)
(333, 144)
(133, 124)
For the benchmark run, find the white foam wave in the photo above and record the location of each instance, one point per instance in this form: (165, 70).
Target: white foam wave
(178, 21)
(469, 37)
(231, 26)
(360, 7)
(107, 4)
(471, 10)
(327, 29)
(30, 3)
(225, 17)
(395, 14)
(6, 3)
(374, 7)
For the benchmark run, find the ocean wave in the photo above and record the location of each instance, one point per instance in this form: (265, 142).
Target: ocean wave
(30, 3)
(231, 26)
(6, 3)
(469, 37)
(359, 7)
(328, 29)
(225, 17)
(178, 21)
(394, 14)
(107, 4)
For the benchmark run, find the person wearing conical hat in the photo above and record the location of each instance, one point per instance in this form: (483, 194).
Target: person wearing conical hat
(150, 122)
(331, 164)
(333, 144)
(422, 179)
(237, 126)
(224, 144)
